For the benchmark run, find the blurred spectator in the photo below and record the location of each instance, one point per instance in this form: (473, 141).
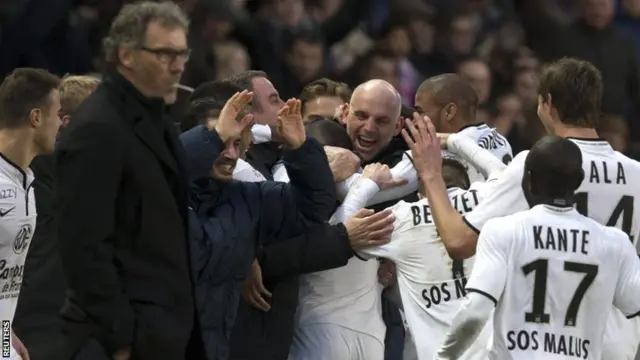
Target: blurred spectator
(614, 129)
(396, 41)
(477, 72)
(231, 59)
(375, 64)
(303, 60)
(592, 37)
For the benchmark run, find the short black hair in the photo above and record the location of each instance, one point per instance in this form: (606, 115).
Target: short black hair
(328, 132)
(245, 81)
(207, 101)
(245, 78)
(452, 88)
(199, 111)
(554, 168)
(455, 173)
(22, 91)
(218, 90)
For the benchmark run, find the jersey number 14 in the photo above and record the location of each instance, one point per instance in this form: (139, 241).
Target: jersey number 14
(623, 209)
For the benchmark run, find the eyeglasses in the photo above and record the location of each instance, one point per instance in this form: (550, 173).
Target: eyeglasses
(168, 56)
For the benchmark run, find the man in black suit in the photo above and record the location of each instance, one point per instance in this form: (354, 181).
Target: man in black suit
(122, 201)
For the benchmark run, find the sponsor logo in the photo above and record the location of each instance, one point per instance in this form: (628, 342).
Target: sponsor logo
(21, 243)
(4, 212)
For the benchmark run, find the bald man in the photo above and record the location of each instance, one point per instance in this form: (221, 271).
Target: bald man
(373, 124)
(374, 118)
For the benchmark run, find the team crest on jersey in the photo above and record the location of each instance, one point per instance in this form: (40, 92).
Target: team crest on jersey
(21, 243)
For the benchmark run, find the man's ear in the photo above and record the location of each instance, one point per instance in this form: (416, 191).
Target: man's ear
(126, 54)
(65, 120)
(399, 126)
(450, 111)
(35, 118)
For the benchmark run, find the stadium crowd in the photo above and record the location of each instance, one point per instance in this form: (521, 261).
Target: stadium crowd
(298, 179)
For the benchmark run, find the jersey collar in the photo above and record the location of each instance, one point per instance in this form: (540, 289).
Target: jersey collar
(15, 172)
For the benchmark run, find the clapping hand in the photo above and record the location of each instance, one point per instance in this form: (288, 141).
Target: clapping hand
(290, 128)
(366, 229)
(381, 175)
(425, 145)
(227, 125)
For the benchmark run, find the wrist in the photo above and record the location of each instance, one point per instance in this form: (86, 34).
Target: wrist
(221, 133)
(292, 146)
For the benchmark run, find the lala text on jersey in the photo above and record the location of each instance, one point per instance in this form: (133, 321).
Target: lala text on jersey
(562, 240)
(455, 289)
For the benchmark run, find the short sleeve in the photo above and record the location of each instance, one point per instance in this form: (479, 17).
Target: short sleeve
(627, 290)
(502, 196)
(489, 274)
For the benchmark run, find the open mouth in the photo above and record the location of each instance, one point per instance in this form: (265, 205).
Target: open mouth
(364, 143)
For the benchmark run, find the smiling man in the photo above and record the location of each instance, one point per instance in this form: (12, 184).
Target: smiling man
(374, 117)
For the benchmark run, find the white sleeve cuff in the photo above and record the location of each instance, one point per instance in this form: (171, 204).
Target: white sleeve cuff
(261, 133)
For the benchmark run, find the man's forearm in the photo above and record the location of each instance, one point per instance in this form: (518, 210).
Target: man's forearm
(458, 238)
(309, 173)
(466, 326)
(356, 199)
(321, 247)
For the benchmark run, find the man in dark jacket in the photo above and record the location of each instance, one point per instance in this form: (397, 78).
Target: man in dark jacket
(122, 200)
(230, 218)
(36, 320)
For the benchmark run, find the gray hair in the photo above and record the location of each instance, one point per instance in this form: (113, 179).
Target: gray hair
(130, 26)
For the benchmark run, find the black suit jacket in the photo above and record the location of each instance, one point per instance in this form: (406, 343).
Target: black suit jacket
(122, 201)
(36, 320)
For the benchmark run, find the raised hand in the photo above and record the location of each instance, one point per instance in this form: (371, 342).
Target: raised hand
(366, 229)
(290, 128)
(381, 175)
(424, 144)
(228, 125)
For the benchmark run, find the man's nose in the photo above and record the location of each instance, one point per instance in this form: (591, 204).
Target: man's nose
(370, 125)
(177, 66)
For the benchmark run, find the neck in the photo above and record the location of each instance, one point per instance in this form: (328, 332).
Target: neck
(130, 78)
(17, 146)
(557, 202)
(576, 132)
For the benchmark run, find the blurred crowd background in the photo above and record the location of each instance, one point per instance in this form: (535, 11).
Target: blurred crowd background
(497, 44)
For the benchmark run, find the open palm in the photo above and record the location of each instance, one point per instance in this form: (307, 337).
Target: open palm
(290, 127)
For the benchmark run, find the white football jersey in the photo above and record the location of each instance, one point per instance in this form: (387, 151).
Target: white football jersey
(609, 194)
(17, 224)
(490, 139)
(553, 275)
(431, 284)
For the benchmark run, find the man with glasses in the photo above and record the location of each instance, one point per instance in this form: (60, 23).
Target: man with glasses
(122, 200)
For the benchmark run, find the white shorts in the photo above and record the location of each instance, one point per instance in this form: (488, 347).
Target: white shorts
(621, 337)
(333, 342)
